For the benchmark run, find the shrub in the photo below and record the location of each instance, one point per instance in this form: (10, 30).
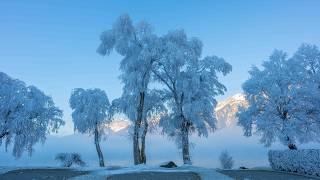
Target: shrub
(304, 161)
(68, 159)
(226, 160)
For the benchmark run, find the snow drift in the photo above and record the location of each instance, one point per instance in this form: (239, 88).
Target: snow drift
(304, 161)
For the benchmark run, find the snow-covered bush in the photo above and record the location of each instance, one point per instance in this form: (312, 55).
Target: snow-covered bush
(304, 161)
(68, 159)
(226, 160)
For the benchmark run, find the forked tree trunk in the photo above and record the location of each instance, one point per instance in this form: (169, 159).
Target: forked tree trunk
(137, 125)
(97, 143)
(185, 143)
(143, 157)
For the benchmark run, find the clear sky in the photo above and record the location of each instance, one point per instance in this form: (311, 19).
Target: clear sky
(52, 43)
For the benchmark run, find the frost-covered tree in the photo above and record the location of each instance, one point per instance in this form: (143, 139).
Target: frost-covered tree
(191, 85)
(283, 105)
(139, 47)
(153, 109)
(306, 66)
(89, 114)
(307, 62)
(27, 115)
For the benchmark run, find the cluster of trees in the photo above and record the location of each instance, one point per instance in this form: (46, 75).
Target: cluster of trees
(168, 84)
(284, 98)
(184, 84)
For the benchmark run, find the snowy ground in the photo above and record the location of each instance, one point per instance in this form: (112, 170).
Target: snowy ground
(144, 172)
(114, 173)
(154, 172)
(117, 150)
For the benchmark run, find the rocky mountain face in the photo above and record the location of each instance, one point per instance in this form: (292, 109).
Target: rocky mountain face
(226, 110)
(118, 126)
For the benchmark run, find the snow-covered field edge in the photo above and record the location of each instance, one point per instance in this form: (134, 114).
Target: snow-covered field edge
(304, 161)
(204, 173)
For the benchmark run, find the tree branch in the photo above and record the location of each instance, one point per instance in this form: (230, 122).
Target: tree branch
(4, 134)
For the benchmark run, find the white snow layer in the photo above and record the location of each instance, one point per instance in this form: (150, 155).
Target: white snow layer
(204, 173)
(304, 161)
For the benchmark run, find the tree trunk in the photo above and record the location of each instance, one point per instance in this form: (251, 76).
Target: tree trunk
(137, 125)
(143, 157)
(185, 143)
(184, 131)
(136, 149)
(97, 143)
(2, 135)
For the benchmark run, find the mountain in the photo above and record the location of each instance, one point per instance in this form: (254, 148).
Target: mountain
(119, 125)
(226, 110)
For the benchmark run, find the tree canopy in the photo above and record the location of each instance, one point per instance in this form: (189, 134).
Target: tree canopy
(27, 115)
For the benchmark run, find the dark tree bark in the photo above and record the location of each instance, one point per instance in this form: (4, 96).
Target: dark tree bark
(184, 130)
(143, 157)
(97, 143)
(136, 149)
(185, 143)
(137, 126)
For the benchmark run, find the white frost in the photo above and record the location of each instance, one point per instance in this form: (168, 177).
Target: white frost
(204, 173)
(304, 161)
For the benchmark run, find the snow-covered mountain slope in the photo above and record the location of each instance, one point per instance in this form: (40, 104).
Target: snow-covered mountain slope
(226, 110)
(119, 126)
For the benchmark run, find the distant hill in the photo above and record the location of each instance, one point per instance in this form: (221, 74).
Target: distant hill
(119, 126)
(226, 110)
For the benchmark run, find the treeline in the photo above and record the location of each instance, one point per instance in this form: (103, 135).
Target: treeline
(168, 84)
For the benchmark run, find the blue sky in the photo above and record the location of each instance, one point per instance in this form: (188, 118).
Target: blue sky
(52, 43)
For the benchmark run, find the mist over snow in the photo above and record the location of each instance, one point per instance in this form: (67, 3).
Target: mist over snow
(125, 83)
(117, 147)
(117, 150)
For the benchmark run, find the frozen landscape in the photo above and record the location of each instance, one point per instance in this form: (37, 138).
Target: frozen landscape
(250, 153)
(157, 90)
(117, 146)
(117, 149)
